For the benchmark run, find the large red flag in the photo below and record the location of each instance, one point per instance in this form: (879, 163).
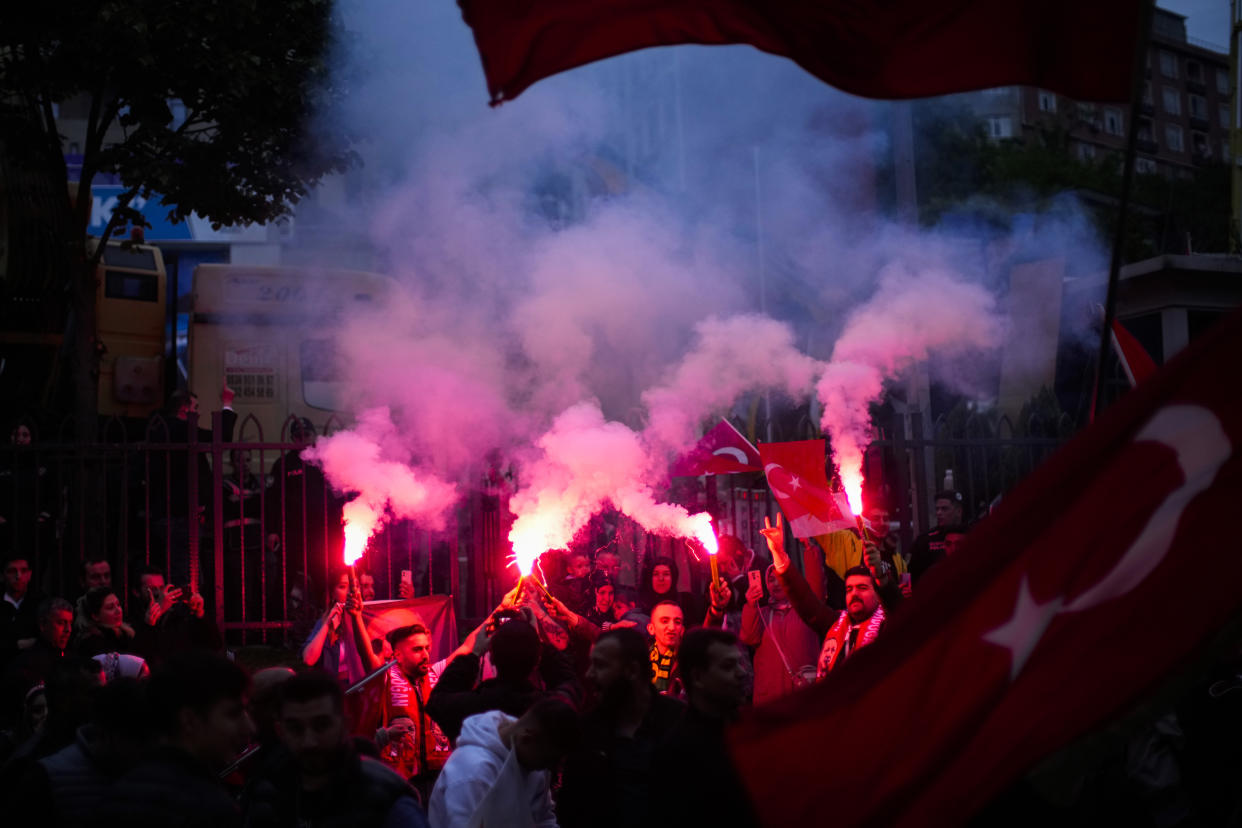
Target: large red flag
(895, 49)
(723, 450)
(1104, 569)
(435, 612)
(799, 483)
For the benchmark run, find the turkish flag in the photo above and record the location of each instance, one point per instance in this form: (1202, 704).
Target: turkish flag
(723, 450)
(1103, 570)
(895, 49)
(1135, 361)
(799, 483)
(365, 700)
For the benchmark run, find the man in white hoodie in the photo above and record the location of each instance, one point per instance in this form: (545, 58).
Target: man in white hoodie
(501, 770)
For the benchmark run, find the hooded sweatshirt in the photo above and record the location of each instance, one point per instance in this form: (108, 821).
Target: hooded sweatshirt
(482, 783)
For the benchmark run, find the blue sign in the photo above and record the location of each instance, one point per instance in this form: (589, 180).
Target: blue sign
(104, 200)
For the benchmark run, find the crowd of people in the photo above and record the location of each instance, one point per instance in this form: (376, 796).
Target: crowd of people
(589, 702)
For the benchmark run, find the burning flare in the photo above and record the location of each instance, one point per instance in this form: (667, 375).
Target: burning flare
(585, 463)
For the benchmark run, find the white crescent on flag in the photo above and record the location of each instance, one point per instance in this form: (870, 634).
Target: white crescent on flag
(1202, 447)
(736, 453)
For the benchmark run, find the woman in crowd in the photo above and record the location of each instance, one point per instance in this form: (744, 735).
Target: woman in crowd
(339, 643)
(602, 593)
(104, 629)
(660, 584)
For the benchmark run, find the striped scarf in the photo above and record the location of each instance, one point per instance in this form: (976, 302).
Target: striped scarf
(835, 643)
(662, 669)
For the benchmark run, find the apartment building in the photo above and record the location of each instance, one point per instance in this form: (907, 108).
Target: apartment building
(1183, 115)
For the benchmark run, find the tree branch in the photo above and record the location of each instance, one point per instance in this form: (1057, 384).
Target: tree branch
(114, 221)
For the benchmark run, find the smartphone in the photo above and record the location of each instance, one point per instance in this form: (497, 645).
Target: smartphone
(407, 578)
(756, 577)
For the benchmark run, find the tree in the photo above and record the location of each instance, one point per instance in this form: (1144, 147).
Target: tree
(249, 75)
(959, 168)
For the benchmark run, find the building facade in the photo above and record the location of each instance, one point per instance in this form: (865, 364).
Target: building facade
(1183, 117)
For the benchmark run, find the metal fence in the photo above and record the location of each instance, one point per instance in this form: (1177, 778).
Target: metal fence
(244, 522)
(981, 456)
(250, 526)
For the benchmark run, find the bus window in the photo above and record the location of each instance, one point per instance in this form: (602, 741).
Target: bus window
(322, 385)
(141, 287)
(136, 258)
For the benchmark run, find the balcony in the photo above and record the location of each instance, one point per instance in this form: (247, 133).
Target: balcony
(1147, 108)
(1147, 145)
(1196, 86)
(1201, 159)
(1201, 124)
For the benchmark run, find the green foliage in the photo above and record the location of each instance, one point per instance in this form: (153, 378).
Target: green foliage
(249, 74)
(959, 168)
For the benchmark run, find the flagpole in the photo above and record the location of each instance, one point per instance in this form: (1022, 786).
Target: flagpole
(1138, 76)
(763, 276)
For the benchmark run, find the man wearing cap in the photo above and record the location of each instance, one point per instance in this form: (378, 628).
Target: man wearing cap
(930, 547)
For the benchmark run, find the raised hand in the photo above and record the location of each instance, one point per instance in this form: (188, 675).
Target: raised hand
(720, 595)
(775, 536)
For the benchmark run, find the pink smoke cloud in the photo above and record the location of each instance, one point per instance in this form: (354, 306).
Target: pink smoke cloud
(357, 461)
(731, 356)
(583, 463)
(911, 315)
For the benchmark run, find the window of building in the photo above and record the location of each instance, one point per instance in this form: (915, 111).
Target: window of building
(1198, 107)
(1047, 101)
(1000, 126)
(1173, 137)
(1145, 166)
(1144, 130)
(1172, 100)
(1086, 152)
(1168, 64)
(1222, 81)
(1194, 71)
(1223, 114)
(1199, 142)
(1147, 93)
(1113, 123)
(1225, 154)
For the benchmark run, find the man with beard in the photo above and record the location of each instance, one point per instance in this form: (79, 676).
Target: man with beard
(607, 781)
(318, 779)
(410, 742)
(698, 783)
(668, 625)
(869, 591)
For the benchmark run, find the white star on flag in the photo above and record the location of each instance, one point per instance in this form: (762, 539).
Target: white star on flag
(1025, 628)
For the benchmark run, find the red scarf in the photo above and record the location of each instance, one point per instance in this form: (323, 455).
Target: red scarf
(405, 756)
(834, 642)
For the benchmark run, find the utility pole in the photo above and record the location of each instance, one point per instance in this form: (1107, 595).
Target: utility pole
(1235, 126)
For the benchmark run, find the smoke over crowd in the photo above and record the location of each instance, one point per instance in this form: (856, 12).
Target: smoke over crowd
(580, 276)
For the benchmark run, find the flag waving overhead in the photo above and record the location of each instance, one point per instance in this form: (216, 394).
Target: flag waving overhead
(799, 483)
(1135, 361)
(723, 450)
(1101, 572)
(894, 49)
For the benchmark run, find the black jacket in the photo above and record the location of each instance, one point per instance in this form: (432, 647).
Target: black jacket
(608, 781)
(362, 793)
(170, 789)
(455, 697)
(694, 781)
